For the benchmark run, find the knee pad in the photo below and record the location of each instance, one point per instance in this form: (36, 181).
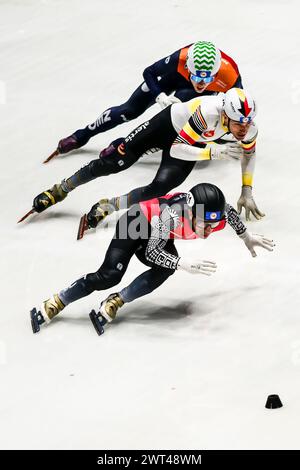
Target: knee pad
(104, 279)
(107, 165)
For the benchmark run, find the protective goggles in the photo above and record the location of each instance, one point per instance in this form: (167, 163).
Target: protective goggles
(205, 223)
(203, 76)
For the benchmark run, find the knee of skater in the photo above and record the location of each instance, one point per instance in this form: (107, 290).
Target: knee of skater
(127, 113)
(162, 274)
(154, 189)
(167, 273)
(105, 166)
(97, 167)
(109, 165)
(94, 281)
(106, 278)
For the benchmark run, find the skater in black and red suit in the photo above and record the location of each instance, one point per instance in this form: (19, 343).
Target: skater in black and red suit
(148, 230)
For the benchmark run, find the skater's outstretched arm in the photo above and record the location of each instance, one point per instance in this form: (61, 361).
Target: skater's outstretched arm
(186, 146)
(162, 227)
(234, 220)
(250, 239)
(248, 159)
(167, 65)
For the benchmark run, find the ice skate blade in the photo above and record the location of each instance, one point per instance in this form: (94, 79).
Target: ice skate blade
(32, 211)
(98, 324)
(83, 227)
(35, 325)
(53, 154)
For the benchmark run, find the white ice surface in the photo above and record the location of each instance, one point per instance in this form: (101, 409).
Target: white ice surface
(191, 365)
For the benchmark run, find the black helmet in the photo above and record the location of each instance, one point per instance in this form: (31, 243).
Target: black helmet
(207, 200)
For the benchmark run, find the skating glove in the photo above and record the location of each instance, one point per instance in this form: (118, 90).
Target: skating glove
(197, 267)
(164, 100)
(253, 239)
(234, 150)
(246, 200)
(226, 151)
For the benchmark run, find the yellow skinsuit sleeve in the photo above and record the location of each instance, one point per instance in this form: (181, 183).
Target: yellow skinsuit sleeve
(248, 162)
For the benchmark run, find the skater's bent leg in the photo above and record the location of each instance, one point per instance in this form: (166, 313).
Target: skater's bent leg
(113, 268)
(112, 162)
(138, 102)
(107, 276)
(145, 283)
(149, 280)
(171, 174)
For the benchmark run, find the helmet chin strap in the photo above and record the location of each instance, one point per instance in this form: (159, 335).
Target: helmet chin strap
(228, 120)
